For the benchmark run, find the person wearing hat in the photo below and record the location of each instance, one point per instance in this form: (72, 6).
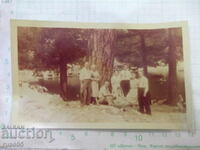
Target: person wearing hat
(143, 93)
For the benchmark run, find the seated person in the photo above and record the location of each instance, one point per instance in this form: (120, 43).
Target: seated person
(105, 95)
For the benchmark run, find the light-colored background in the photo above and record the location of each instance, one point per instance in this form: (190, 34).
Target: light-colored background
(123, 11)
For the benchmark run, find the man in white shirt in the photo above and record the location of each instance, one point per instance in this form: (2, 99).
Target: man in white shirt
(143, 93)
(125, 76)
(85, 84)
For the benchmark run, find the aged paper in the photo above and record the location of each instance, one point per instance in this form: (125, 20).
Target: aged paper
(101, 76)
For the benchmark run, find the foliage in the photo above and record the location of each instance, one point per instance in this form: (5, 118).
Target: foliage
(129, 48)
(47, 45)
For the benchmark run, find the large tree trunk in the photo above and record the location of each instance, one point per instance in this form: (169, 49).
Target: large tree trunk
(172, 76)
(101, 44)
(63, 77)
(143, 52)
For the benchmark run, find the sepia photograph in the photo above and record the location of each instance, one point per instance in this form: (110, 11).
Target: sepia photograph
(101, 76)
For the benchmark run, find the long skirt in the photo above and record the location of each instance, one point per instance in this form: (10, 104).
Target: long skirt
(132, 96)
(95, 88)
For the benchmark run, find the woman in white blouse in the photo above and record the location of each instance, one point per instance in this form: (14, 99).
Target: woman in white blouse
(95, 77)
(132, 96)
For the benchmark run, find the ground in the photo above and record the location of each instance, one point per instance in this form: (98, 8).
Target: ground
(37, 105)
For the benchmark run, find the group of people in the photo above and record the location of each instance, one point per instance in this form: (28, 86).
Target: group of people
(125, 88)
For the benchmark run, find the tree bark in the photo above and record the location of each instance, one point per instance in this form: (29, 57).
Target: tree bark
(101, 44)
(172, 76)
(143, 52)
(63, 77)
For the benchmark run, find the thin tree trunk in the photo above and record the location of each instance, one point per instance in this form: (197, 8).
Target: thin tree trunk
(63, 78)
(144, 52)
(172, 76)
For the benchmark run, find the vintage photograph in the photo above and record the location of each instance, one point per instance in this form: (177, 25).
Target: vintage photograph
(96, 76)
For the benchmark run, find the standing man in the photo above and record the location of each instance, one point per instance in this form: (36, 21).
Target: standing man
(85, 84)
(125, 76)
(143, 93)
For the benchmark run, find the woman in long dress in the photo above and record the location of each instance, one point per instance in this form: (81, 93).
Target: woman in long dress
(132, 95)
(119, 98)
(95, 77)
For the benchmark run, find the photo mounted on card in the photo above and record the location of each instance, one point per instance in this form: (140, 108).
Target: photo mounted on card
(101, 75)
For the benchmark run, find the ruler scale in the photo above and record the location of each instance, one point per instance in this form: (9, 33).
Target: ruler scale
(78, 139)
